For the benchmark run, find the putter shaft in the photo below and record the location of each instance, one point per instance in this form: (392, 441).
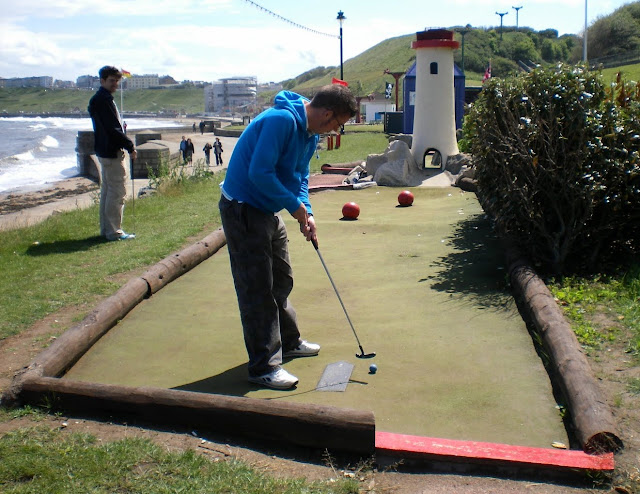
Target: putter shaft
(344, 309)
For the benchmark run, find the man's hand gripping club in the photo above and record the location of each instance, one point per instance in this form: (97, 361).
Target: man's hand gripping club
(306, 222)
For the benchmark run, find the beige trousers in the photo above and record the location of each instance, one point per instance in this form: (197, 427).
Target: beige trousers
(112, 193)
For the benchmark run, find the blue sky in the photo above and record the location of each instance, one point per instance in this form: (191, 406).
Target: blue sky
(209, 39)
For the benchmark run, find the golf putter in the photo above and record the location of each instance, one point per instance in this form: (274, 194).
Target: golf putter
(362, 354)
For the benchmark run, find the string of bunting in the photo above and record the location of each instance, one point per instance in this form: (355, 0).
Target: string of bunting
(290, 22)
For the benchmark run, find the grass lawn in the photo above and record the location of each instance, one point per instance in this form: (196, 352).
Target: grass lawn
(39, 459)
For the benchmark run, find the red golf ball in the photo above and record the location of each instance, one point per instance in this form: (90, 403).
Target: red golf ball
(351, 211)
(405, 198)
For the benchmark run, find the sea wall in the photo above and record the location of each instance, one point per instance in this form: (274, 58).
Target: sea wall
(152, 152)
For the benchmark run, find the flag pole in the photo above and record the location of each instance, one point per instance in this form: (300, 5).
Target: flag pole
(122, 107)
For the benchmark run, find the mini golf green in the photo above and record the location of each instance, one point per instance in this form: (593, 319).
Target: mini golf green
(425, 288)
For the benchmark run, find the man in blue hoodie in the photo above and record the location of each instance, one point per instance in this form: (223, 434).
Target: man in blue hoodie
(268, 172)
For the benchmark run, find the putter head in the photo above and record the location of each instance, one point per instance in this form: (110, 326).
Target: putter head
(366, 355)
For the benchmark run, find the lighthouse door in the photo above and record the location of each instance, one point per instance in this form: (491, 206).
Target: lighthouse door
(432, 159)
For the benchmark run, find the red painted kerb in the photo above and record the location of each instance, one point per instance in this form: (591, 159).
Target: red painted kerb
(470, 452)
(435, 38)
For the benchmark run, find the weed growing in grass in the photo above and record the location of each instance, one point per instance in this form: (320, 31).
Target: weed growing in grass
(616, 295)
(633, 386)
(580, 298)
(35, 414)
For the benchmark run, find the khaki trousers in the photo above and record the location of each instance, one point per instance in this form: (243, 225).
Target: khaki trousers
(112, 193)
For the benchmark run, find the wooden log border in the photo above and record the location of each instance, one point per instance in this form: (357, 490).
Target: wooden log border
(592, 418)
(306, 425)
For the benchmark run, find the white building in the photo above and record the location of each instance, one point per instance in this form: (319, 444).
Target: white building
(230, 95)
(88, 82)
(141, 81)
(37, 81)
(373, 110)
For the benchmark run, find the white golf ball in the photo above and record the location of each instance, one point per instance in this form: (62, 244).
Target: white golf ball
(373, 368)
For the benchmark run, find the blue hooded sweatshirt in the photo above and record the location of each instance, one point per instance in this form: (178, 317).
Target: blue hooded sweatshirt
(269, 166)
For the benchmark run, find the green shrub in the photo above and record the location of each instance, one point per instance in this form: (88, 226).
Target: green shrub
(557, 165)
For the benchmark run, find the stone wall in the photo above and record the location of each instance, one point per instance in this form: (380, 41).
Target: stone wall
(86, 158)
(146, 136)
(151, 155)
(227, 133)
(152, 152)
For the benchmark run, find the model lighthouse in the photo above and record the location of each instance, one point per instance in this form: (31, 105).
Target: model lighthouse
(434, 124)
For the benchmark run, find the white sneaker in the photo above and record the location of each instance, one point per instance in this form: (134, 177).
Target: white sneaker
(304, 349)
(276, 379)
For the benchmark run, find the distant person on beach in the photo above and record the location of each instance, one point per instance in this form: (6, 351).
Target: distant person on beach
(207, 152)
(268, 172)
(110, 140)
(194, 127)
(201, 127)
(183, 149)
(217, 150)
(190, 150)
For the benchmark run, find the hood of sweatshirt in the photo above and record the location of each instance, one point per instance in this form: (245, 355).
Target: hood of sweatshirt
(286, 100)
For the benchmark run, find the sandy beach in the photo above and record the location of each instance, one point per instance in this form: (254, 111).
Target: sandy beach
(27, 207)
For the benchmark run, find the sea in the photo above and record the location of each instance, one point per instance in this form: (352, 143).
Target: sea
(38, 151)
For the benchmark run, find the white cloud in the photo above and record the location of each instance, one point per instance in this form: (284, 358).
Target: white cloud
(210, 39)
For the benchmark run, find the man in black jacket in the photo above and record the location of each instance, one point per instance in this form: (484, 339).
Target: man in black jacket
(110, 140)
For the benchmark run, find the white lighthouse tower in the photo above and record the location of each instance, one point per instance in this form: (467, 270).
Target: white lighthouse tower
(434, 123)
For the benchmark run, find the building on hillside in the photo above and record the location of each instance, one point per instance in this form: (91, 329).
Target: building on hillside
(230, 95)
(64, 84)
(374, 108)
(88, 82)
(36, 81)
(269, 86)
(140, 81)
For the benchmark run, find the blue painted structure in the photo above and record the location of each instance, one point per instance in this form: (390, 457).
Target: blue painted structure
(409, 89)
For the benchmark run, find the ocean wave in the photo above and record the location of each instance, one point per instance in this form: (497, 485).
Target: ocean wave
(34, 172)
(26, 156)
(38, 150)
(50, 142)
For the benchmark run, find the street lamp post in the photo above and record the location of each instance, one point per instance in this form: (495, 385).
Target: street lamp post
(517, 9)
(584, 40)
(463, 32)
(341, 19)
(501, 14)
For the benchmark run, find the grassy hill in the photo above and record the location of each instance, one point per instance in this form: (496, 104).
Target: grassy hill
(629, 72)
(39, 100)
(365, 73)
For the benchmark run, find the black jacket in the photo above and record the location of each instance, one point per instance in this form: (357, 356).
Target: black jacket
(109, 136)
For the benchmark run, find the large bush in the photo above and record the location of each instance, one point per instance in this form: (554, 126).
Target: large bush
(557, 165)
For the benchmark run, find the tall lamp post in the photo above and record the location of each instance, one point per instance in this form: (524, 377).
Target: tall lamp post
(501, 14)
(463, 32)
(584, 40)
(517, 9)
(341, 19)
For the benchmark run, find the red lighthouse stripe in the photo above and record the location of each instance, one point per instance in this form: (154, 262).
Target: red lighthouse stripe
(435, 43)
